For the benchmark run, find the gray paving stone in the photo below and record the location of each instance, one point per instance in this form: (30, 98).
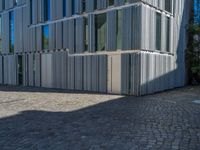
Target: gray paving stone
(48, 119)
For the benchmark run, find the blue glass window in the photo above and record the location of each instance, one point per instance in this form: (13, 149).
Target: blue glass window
(64, 8)
(11, 29)
(196, 11)
(45, 37)
(73, 7)
(47, 10)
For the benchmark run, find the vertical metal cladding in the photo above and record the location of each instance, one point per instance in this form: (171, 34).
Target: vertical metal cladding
(147, 73)
(59, 31)
(72, 36)
(52, 36)
(6, 32)
(1, 70)
(10, 69)
(65, 35)
(111, 30)
(129, 62)
(79, 39)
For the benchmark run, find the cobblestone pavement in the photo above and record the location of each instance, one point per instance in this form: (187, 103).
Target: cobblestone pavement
(43, 119)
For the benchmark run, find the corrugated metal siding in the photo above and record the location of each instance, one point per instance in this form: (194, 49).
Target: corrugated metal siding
(1, 70)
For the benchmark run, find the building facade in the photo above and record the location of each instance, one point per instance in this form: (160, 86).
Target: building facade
(133, 47)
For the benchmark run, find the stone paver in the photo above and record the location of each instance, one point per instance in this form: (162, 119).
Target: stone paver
(43, 119)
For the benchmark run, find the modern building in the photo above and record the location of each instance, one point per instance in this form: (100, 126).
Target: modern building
(134, 47)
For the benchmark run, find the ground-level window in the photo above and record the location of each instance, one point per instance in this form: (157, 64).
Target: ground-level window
(100, 31)
(45, 37)
(158, 31)
(86, 33)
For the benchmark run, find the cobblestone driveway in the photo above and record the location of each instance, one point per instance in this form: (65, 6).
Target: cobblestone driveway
(41, 119)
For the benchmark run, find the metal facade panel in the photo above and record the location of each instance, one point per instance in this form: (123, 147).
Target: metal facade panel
(91, 24)
(52, 36)
(5, 32)
(90, 5)
(64, 69)
(37, 69)
(53, 4)
(79, 35)
(103, 73)
(125, 75)
(39, 38)
(34, 11)
(66, 34)
(127, 28)
(95, 73)
(68, 8)
(18, 29)
(59, 31)
(72, 36)
(1, 69)
(30, 70)
(59, 9)
(111, 31)
(78, 73)
(87, 73)
(25, 29)
(46, 64)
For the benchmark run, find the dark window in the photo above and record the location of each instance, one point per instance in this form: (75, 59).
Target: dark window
(168, 35)
(110, 2)
(86, 33)
(15, 2)
(3, 4)
(20, 70)
(47, 10)
(11, 29)
(84, 5)
(168, 5)
(64, 8)
(45, 37)
(75, 36)
(34, 70)
(95, 4)
(100, 31)
(73, 7)
(158, 31)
